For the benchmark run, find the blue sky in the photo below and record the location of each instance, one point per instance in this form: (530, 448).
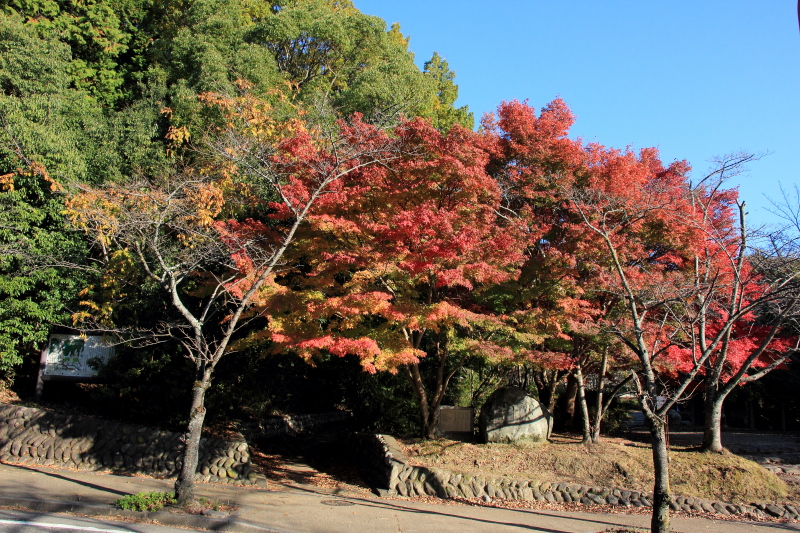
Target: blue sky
(696, 79)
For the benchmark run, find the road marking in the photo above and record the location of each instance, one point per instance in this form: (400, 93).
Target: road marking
(62, 526)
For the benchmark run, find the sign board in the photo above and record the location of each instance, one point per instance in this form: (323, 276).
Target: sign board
(69, 355)
(660, 401)
(455, 419)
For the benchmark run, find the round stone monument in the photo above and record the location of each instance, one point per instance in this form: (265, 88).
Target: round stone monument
(510, 415)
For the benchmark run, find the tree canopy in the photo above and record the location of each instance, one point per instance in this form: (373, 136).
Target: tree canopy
(280, 177)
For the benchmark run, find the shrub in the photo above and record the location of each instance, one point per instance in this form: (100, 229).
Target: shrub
(145, 501)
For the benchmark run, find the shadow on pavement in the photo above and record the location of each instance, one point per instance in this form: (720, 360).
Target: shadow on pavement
(65, 478)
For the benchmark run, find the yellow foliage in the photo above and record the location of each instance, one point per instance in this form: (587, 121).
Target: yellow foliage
(34, 169)
(208, 199)
(176, 136)
(266, 120)
(7, 182)
(121, 273)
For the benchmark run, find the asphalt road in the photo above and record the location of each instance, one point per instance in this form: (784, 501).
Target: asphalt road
(32, 522)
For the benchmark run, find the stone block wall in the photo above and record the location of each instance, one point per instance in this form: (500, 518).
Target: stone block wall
(392, 472)
(39, 437)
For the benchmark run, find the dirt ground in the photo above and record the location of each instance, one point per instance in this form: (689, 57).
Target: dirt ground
(777, 452)
(322, 459)
(762, 467)
(327, 462)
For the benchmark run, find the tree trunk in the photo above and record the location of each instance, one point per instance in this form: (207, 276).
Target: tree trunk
(433, 411)
(429, 404)
(595, 436)
(184, 485)
(546, 384)
(429, 411)
(661, 497)
(600, 410)
(586, 427)
(431, 423)
(427, 419)
(568, 402)
(712, 426)
(551, 402)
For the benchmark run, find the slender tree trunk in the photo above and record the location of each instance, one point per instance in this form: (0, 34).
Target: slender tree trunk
(433, 410)
(429, 404)
(442, 379)
(656, 422)
(184, 485)
(598, 419)
(599, 407)
(551, 402)
(712, 426)
(661, 496)
(429, 412)
(547, 383)
(586, 427)
(415, 380)
(428, 409)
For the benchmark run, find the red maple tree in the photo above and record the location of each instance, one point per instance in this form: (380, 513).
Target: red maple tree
(533, 160)
(678, 263)
(736, 315)
(395, 253)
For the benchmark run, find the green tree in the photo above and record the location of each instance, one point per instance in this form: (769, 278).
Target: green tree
(52, 133)
(443, 114)
(39, 115)
(97, 33)
(331, 50)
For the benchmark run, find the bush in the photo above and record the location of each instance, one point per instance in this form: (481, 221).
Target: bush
(146, 501)
(146, 386)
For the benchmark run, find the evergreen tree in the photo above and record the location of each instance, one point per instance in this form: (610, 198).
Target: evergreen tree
(444, 115)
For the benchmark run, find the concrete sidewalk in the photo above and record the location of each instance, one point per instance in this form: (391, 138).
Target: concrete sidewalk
(309, 509)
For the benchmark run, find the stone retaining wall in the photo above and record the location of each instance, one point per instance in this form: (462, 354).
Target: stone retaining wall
(392, 472)
(36, 436)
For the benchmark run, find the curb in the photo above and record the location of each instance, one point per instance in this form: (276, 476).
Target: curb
(166, 518)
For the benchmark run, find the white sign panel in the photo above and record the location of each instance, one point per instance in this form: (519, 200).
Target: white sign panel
(69, 355)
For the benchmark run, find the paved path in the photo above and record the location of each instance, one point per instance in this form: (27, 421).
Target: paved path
(308, 509)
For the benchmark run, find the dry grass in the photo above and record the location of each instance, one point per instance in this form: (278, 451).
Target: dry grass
(613, 463)
(7, 395)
